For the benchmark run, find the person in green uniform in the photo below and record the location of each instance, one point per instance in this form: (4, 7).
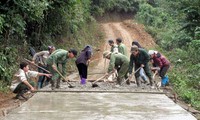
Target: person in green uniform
(57, 62)
(115, 61)
(140, 58)
(114, 48)
(121, 47)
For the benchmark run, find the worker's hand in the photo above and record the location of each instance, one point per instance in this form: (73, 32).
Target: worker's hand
(32, 89)
(66, 79)
(142, 65)
(48, 75)
(88, 62)
(106, 75)
(114, 71)
(156, 72)
(130, 76)
(54, 67)
(155, 68)
(32, 62)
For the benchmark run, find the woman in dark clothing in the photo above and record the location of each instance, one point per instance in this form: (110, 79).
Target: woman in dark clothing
(82, 63)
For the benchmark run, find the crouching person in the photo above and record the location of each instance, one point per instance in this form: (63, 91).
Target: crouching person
(115, 61)
(163, 66)
(26, 83)
(139, 58)
(56, 64)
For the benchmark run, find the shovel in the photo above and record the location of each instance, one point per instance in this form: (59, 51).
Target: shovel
(131, 76)
(70, 86)
(94, 83)
(36, 65)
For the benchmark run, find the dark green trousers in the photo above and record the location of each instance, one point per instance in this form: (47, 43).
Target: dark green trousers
(22, 87)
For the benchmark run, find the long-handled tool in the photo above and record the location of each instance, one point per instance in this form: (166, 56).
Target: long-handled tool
(131, 76)
(94, 83)
(70, 86)
(36, 65)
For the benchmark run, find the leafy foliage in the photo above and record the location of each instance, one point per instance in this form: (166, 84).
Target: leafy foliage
(99, 7)
(38, 24)
(7, 64)
(175, 25)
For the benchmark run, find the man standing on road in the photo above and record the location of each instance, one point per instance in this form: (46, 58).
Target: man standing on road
(57, 60)
(140, 58)
(115, 61)
(114, 48)
(121, 47)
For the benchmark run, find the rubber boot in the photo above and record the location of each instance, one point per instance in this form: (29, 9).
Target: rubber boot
(164, 81)
(83, 81)
(119, 81)
(52, 85)
(58, 83)
(144, 79)
(128, 82)
(151, 81)
(138, 82)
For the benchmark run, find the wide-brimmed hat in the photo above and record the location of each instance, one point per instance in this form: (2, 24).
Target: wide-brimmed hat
(106, 53)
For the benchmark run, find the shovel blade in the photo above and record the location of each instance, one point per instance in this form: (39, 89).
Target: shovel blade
(71, 86)
(94, 85)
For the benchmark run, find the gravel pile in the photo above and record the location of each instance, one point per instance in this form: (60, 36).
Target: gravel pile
(104, 86)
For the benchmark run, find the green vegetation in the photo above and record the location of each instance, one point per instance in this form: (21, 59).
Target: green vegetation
(63, 23)
(175, 26)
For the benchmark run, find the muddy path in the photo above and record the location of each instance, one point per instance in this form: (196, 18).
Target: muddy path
(129, 31)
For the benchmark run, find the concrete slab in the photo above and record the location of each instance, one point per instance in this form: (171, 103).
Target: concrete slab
(99, 106)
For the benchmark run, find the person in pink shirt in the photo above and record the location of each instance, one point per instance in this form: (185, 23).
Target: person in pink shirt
(161, 65)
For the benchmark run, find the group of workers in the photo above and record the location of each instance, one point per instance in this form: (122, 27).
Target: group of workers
(51, 66)
(139, 58)
(53, 61)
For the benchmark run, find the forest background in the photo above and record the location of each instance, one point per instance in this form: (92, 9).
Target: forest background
(174, 24)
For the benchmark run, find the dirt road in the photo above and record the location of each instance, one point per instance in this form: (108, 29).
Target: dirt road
(129, 31)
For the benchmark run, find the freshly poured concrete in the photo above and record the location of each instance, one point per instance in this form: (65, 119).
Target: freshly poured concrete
(99, 106)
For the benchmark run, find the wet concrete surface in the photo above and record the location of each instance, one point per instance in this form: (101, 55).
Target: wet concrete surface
(99, 106)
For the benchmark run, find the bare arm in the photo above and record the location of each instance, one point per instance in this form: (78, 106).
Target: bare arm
(48, 75)
(29, 85)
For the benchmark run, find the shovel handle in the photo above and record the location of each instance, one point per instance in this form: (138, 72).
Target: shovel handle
(102, 77)
(132, 76)
(99, 79)
(63, 77)
(36, 65)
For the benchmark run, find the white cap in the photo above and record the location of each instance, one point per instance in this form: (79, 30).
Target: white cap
(151, 52)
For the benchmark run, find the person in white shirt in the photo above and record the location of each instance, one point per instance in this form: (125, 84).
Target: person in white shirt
(25, 82)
